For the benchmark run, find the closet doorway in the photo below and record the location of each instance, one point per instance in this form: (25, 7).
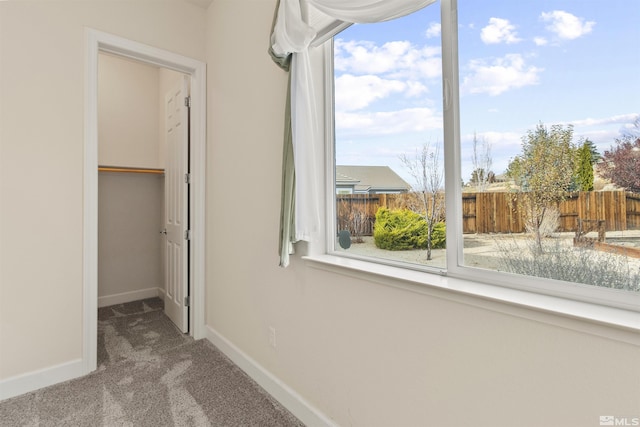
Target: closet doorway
(143, 196)
(187, 251)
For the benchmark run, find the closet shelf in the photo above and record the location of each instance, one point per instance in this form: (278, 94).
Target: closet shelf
(130, 170)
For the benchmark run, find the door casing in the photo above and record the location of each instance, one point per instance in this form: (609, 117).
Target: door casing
(95, 42)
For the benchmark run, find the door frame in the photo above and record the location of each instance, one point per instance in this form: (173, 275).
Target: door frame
(96, 42)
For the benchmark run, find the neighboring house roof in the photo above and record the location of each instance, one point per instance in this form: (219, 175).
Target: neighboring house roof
(370, 179)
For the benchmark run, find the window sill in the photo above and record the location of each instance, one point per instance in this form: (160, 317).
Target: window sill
(608, 322)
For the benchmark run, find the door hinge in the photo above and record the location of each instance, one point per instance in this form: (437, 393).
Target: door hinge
(187, 102)
(187, 235)
(187, 302)
(187, 178)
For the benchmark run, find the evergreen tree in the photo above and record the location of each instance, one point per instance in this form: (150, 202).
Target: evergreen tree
(584, 170)
(595, 154)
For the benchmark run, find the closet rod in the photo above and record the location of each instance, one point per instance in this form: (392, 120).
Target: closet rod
(129, 170)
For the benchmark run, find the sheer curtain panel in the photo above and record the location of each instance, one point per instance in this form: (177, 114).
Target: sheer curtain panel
(290, 41)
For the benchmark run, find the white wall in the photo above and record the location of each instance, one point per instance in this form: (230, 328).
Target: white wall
(367, 354)
(41, 162)
(129, 102)
(130, 246)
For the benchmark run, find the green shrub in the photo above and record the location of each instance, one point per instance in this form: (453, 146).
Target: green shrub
(438, 237)
(402, 229)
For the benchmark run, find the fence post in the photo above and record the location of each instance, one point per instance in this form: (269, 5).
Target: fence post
(601, 231)
(578, 228)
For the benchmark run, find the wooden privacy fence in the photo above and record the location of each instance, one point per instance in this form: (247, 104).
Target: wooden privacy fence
(498, 212)
(357, 212)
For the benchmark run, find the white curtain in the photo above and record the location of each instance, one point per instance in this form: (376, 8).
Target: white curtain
(292, 36)
(368, 11)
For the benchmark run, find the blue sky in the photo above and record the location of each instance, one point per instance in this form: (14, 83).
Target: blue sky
(521, 63)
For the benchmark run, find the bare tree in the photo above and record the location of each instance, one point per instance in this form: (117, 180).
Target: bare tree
(482, 162)
(428, 173)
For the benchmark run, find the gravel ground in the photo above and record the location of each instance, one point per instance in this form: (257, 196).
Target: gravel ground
(480, 249)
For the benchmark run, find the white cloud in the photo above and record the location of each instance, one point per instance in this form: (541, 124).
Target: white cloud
(356, 92)
(433, 30)
(364, 57)
(603, 131)
(367, 72)
(565, 25)
(415, 89)
(499, 31)
(603, 139)
(508, 72)
(397, 59)
(426, 68)
(622, 119)
(498, 140)
(388, 122)
(632, 129)
(540, 41)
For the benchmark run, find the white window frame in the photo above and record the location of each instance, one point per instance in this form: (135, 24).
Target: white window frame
(576, 300)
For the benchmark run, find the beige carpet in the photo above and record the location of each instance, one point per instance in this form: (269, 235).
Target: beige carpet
(149, 374)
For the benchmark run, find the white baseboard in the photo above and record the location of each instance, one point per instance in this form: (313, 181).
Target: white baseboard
(108, 300)
(24, 383)
(284, 394)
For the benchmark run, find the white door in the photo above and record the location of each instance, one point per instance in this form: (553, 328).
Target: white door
(176, 196)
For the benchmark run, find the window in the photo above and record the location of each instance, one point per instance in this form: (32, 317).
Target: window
(389, 139)
(538, 147)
